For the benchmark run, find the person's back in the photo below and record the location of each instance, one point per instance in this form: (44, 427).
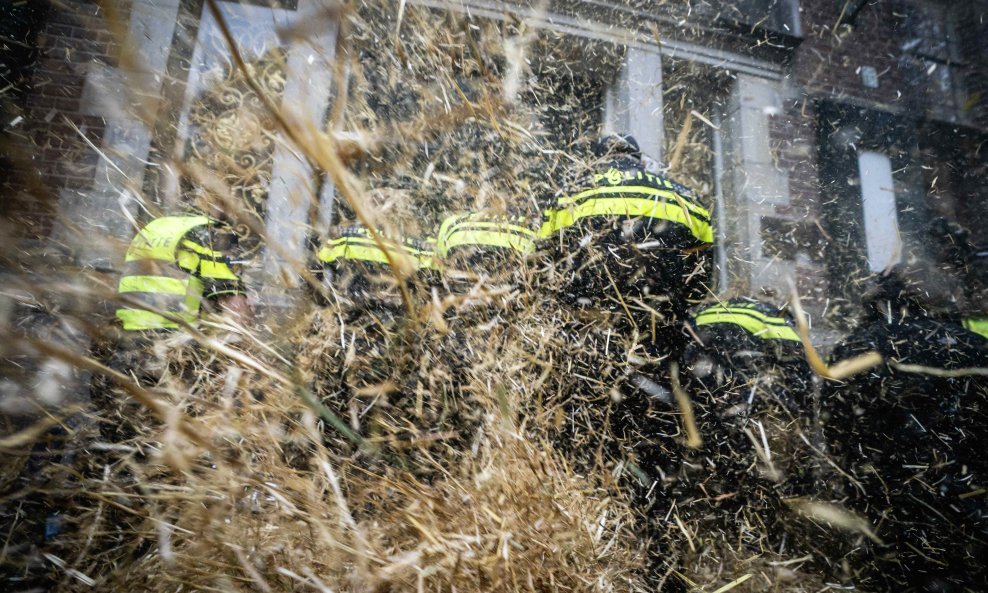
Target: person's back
(746, 373)
(745, 349)
(623, 238)
(624, 250)
(371, 272)
(374, 277)
(175, 268)
(912, 433)
(475, 246)
(173, 264)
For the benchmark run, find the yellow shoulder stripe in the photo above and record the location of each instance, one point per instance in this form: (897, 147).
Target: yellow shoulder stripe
(639, 190)
(754, 326)
(519, 243)
(631, 207)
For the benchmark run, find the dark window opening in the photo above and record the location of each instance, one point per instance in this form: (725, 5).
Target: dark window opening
(954, 174)
(930, 58)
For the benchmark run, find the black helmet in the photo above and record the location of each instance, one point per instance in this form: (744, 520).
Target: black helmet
(614, 144)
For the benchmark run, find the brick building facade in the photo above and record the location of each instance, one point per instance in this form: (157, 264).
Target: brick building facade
(804, 89)
(49, 120)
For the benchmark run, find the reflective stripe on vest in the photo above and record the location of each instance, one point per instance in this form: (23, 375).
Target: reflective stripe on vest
(978, 325)
(754, 322)
(365, 249)
(179, 297)
(473, 230)
(216, 270)
(204, 266)
(151, 275)
(199, 249)
(630, 201)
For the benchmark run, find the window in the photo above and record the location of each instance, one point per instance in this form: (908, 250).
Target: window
(880, 219)
(930, 56)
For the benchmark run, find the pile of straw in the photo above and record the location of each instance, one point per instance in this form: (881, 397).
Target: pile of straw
(475, 448)
(478, 436)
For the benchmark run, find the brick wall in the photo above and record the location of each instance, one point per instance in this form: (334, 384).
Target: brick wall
(830, 59)
(828, 64)
(887, 36)
(794, 149)
(47, 145)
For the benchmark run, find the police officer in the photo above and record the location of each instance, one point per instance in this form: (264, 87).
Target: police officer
(374, 280)
(913, 430)
(746, 350)
(362, 269)
(624, 250)
(173, 267)
(472, 244)
(747, 376)
(623, 237)
(173, 264)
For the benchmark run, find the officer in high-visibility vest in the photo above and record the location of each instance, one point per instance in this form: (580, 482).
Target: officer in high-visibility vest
(746, 350)
(746, 378)
(483, 256)
(363, 269)
(912, 432)
(370, 277)
(473, 244)
(625, 238)
(172, 265)
(625, 249)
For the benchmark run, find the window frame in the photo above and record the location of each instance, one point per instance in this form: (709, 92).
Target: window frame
(951, 61)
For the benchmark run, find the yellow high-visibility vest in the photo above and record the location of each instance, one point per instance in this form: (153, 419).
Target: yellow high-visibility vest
(473, 229)
(626, 193)
(358, 245)
(747, 317)
(158, 272)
